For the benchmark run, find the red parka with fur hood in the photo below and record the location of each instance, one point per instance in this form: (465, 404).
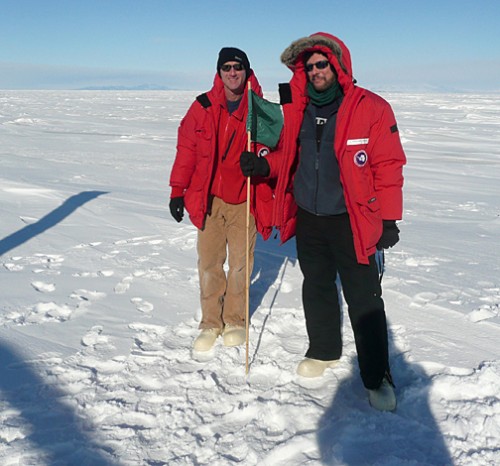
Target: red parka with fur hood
(367, 146)
(199, 158)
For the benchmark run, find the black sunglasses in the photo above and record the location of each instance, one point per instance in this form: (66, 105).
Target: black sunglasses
(227, 67)
(321, 65)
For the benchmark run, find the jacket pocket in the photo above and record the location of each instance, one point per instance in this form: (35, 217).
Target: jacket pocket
(203, 133)
(369, 221)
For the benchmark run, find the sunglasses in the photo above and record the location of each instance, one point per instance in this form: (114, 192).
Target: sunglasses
(236, 67)
(321, 65)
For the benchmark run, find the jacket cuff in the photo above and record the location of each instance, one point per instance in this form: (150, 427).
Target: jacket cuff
(177, 192)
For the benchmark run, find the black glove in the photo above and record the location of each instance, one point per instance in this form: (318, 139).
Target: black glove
(390, 235)
(252, 165)
(177, 207)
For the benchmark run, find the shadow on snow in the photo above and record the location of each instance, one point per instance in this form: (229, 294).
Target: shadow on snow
(352, 436)
(48, 221)
(347, 434)
(53, 432)
(271, 260)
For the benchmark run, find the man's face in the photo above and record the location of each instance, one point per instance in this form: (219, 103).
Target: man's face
(234, 78)
(322, 78)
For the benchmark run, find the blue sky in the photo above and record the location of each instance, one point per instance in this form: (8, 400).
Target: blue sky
(395, 44)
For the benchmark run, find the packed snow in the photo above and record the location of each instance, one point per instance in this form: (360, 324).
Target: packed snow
(99, 302)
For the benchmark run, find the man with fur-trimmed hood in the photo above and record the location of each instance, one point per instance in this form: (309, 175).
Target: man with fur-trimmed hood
(339, 190)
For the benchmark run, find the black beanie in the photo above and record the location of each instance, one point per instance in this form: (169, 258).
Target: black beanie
(233, 54)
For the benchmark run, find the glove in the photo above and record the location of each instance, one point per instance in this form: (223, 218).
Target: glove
(177, 207)
(390, 235)
(252, 165)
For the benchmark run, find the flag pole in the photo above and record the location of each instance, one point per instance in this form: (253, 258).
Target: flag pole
(247, 272)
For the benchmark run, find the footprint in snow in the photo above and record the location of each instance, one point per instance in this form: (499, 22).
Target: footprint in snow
(100, 273)
(124, 285)
(86, 245)
(485, 312)
(42, 312)
(421, 299)
(148, 339)
(11, 267)
(185, 240)
(142, 305)
(86, 297)
(43, 287)
(94, 337)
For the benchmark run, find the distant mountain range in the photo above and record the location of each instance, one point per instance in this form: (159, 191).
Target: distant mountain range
(142, 87)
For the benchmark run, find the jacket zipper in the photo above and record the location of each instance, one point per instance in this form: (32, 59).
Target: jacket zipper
(228, 146)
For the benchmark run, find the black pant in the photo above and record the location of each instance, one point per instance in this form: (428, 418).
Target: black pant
(324, 247)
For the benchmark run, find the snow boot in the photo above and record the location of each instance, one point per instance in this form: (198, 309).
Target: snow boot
(206, 339)
(383, 398)
(234, 335)
(314, 367)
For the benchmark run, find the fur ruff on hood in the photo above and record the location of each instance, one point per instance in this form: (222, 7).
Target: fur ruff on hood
(317, 41)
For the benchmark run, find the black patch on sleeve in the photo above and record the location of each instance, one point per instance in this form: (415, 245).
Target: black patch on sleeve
(285, 93)
(394, 128)
(204, 100)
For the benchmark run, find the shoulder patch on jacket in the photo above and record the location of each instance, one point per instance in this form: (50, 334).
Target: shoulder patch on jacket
(394, 128)
(285, 93)
(204, 100)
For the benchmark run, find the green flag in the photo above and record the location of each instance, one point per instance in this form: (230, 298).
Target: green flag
(264, 120)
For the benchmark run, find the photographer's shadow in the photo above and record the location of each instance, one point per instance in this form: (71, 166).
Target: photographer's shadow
(52, 428)
(351, 432)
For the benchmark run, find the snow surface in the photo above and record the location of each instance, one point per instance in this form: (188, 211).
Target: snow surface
(99, 302)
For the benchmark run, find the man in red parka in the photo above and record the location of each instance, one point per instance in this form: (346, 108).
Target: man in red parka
(339, 190)
(207, 181)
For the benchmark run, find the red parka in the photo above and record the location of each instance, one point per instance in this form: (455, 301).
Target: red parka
(367, 146)
(202, 167)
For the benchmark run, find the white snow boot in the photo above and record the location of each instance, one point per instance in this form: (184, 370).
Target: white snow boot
(206, 339)
(383, 398)
(314, 367)
(234, 335)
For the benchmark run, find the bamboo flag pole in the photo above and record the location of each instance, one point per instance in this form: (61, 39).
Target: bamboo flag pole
(247, 281)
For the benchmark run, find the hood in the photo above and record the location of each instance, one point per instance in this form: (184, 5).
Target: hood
(335, 50)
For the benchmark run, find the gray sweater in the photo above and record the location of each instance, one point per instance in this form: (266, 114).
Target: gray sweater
(317, 186)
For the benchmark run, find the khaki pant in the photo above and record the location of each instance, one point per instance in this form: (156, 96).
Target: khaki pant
(224, 237)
